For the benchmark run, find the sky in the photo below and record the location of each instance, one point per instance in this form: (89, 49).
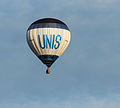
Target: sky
(87, 75)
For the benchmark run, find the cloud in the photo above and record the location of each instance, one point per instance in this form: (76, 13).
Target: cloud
(76, 102)
(89, 66)
(92, 3)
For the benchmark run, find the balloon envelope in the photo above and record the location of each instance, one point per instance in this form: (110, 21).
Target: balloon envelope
(48, 38)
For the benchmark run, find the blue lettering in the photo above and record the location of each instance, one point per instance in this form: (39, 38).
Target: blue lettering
(40, 41)
(52, 43)
(57, 41)
(48, 42)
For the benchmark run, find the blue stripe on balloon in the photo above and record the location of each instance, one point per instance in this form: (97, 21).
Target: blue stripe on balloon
(48, 60)
(48, 25)
(48, 57)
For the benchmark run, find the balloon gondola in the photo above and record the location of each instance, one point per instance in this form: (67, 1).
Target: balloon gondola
(48, 38)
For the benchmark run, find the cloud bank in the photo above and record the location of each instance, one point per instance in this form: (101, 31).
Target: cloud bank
(84, 102)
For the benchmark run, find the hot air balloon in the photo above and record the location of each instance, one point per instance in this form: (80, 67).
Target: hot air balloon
(48, 38)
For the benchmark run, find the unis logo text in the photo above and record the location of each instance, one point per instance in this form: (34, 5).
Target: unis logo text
(52, 43)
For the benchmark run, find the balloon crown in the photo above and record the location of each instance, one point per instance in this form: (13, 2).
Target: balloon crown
(48, 20)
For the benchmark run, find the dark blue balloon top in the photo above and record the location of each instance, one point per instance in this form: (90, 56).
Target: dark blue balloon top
(48, 23)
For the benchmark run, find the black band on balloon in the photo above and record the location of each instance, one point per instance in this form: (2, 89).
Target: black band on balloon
(48, 59)
(48, 25)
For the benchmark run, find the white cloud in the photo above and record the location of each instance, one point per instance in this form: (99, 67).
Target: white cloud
(16, 18)
(105, 3)
(90, 3)
(80, 102)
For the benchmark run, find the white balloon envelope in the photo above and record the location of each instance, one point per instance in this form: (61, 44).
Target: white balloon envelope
(48, 38)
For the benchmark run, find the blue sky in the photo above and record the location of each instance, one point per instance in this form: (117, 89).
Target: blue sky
(87, 75)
